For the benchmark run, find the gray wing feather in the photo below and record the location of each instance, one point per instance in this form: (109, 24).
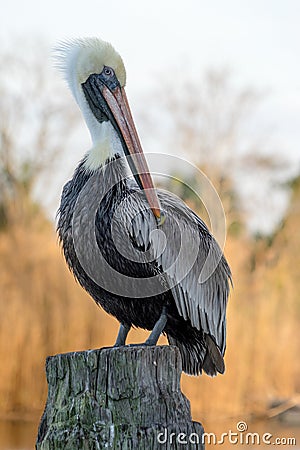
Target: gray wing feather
(192, 262)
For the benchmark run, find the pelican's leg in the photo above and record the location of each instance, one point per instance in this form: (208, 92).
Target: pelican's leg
(122, 335)
(158, 328)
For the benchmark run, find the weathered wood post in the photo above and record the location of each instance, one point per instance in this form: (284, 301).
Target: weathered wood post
(117, 398)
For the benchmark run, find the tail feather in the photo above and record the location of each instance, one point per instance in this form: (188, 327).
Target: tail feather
(213, 361)
(192, 356)
(199, 353)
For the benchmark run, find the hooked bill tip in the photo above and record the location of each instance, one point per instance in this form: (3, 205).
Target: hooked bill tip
(160, 217)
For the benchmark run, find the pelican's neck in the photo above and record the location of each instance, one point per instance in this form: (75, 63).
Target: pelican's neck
(106, 142)
(106, 145)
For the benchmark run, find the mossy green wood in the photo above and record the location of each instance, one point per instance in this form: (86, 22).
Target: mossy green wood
(117, 398)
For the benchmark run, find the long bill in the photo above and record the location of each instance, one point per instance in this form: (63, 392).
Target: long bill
(118, 104)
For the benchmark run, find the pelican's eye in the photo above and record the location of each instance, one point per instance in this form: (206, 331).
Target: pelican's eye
(108, 71)
(108, 77)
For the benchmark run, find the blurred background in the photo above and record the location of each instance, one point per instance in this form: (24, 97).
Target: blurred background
(216, 83)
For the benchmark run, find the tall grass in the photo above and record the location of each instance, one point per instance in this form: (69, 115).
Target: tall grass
(43, 312)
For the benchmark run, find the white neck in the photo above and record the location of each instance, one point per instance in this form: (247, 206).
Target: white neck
(106, 142)
(78, 60)
(106, 145)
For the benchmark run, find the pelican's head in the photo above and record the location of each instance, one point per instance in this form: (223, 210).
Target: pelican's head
(96, 76)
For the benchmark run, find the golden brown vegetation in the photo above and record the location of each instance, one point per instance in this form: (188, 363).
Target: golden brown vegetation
(43, 312)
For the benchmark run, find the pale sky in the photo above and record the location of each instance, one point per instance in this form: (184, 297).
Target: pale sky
(258, 39)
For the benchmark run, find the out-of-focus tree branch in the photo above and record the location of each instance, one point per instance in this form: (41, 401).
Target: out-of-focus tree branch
(211, 121)
(36, 123)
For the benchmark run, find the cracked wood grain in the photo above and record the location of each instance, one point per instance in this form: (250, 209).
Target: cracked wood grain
(116, 398)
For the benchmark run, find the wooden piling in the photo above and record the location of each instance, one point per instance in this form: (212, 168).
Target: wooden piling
(125, 398)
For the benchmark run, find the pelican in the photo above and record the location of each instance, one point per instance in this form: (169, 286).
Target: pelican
(159, 267)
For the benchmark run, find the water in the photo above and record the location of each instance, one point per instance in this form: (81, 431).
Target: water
(17, 435)
(22, 435)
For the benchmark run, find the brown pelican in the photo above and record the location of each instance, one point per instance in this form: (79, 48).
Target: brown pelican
(161, 268)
